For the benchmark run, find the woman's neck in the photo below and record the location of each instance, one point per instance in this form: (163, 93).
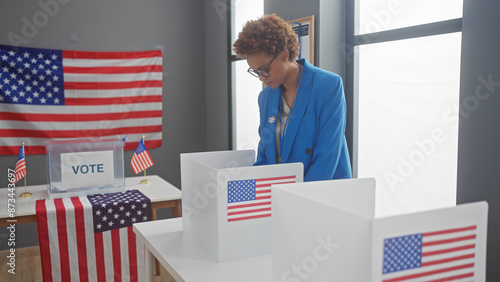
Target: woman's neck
(290, 84)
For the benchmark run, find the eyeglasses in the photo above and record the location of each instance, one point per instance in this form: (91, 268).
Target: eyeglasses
(262, 71)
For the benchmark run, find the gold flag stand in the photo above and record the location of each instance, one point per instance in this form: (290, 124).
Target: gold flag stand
(25, 194)
(145, 180)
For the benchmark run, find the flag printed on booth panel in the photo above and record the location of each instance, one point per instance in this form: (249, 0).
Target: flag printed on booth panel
(58, 94)
(20, 170)
(90, 238)
(251, 198)
(141, 159)
(440, 255)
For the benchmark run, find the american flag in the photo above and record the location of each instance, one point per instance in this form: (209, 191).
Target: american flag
(90, 238)
(249, 199)
(20, 170)
(141, 159)
(57, 94)
(442, 255)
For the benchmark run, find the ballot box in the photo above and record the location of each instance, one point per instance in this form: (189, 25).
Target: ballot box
(335, 236)
(84, 166)
(226, 202)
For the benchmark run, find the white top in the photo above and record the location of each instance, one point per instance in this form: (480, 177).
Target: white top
(186, 261)
(159, 190)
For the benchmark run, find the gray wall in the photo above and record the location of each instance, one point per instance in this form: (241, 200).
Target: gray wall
(479, 131)
(128, 25)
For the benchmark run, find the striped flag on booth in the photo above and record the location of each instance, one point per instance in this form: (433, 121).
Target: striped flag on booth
(438, 255)
(251, 198)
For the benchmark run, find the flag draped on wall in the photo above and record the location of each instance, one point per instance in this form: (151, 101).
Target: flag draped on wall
(56, 94)
(90, 238)
(251, 198)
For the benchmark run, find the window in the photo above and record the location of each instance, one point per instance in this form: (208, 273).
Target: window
(245, 88)
(406, 71)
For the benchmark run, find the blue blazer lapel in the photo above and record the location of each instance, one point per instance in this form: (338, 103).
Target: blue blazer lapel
(270, 131)
(299, 108)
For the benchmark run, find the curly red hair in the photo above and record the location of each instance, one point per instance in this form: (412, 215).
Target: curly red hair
(269, 34)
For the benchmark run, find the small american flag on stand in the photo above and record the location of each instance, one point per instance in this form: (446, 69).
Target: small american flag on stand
(141, 159)
(20, 170)
(251, 198)
(440, 255)
(90, 238)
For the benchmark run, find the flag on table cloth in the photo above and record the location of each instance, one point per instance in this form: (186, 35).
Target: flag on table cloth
(141, 159)
(440, 255)
(251, 198)
(47, 94)
(90, 238)
(20, 170)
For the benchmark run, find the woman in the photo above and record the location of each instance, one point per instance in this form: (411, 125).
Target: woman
(302, 108)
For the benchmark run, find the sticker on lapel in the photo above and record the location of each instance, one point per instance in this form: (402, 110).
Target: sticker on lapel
(271, 119)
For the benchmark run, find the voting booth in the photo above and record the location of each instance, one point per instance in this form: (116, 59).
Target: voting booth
(335, 236)
(85, 166)
(226, 202)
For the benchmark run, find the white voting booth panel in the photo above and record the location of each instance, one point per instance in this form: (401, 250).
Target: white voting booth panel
(226, 202)
(335, 236)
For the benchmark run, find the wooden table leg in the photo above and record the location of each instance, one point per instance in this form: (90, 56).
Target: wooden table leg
(176, 209)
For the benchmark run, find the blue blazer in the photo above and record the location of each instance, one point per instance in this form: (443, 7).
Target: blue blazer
(315, 134)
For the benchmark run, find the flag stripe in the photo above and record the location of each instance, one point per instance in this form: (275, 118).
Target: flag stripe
(249, 205)
(448, 240)
(132, 254)
(422, 274)
(111, 85)
(80, 238)
(109, 101)
(71, 238)
(448, 231)
(115, 108)
(117, 254)
(249, 217)
(55, 259)
(269, 185)
(79, 134)
(83, 117)
(466, 247)
(43, 240)
(62, 233)
(244, 212)
(276, 178)
(447, 260)
(99, 257)
(111, 55)
(454, 278)
(115, 70)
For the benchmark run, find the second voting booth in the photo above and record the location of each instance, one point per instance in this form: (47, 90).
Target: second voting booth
(335, 236)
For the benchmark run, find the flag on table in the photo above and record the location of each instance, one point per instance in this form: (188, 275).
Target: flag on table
(141, 159)
(249, 199)
(441, 255)
(20, 170)
(90, 238)
(50, 94)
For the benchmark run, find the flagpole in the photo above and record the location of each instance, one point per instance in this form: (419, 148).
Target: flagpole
(145, 180)
(26, 194)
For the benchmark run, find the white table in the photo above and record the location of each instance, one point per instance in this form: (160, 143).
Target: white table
(186, 261)
(161, 193)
